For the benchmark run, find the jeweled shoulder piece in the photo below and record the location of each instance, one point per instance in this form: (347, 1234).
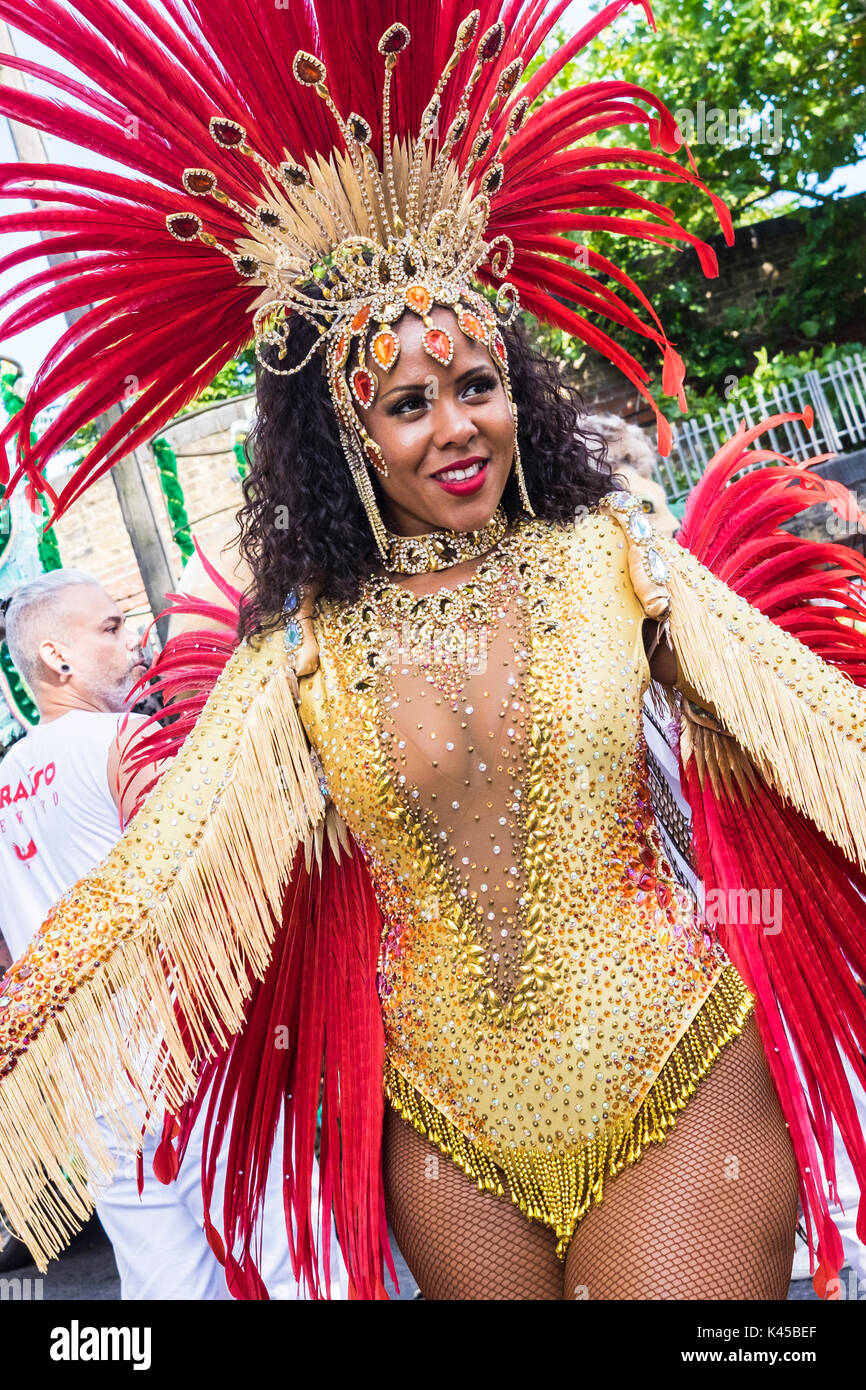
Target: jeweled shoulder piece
(647, 567)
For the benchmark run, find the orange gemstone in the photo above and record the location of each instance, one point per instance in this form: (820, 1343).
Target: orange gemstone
(472, 326)
(386, 349)
(499, 349)
(418, 298)
(341, 349)
(338, 388)
(308, 69)
(361, 318)
(199, 181)
(439, 345)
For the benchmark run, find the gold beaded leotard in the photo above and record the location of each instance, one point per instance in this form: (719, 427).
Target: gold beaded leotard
(549, 999)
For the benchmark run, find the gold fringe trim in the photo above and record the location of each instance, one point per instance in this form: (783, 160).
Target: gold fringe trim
(178, 912)
(802, 722)
(559, 1189)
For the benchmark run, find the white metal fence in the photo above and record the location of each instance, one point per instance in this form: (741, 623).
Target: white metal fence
(837, 395)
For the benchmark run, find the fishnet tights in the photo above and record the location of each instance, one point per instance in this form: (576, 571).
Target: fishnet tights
(709, 1213)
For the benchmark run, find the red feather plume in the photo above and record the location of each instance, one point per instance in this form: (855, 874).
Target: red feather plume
(804, 978)
(148, 83)
(319, 992)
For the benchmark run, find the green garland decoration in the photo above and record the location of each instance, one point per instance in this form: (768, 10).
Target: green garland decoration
(166, 462)
(23, 707)
(49, 551)
(243, 465)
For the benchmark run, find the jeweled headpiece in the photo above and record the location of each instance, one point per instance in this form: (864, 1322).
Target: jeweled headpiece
(320, 186)
(353, 245)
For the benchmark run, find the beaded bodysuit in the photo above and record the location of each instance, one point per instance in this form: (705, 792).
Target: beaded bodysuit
(549, 998)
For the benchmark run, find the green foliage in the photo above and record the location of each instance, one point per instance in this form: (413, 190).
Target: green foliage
(237, 378)
(724, 67)
(769, 373)
(801, 69)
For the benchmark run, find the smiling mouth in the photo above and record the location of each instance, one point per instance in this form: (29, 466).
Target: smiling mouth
(460, 473)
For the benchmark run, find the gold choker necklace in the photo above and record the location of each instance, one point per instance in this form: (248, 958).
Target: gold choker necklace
(441, 550)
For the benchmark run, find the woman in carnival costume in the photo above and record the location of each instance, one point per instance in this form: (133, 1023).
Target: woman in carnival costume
(406, 827)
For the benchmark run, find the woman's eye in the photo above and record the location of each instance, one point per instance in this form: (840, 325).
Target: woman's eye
(481, 384)
(408, 404)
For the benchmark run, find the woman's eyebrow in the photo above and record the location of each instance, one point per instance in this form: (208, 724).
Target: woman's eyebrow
(422, 385)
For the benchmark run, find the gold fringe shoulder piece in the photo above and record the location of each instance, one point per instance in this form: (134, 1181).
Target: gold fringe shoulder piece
(801, 721)
(180, 913)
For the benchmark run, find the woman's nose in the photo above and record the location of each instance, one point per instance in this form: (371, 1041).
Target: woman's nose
(453, 423)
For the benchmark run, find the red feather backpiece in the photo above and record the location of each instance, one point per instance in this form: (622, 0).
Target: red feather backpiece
(804, 976)
(314, 1013)
(167, 315)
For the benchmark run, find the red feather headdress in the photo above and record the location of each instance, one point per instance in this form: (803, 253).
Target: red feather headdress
(170, 274)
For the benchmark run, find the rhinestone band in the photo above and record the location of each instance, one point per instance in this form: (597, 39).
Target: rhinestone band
(441, 550)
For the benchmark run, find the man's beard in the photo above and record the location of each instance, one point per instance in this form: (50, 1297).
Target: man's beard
(118, 698)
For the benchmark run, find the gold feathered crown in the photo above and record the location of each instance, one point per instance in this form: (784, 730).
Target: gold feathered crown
(351, 246)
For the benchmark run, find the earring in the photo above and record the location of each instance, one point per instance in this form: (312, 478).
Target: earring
(374, 454)
(65, 667)
(361, 478)
(521, 480)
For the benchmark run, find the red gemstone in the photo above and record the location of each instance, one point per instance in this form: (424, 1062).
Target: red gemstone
(492, 181)
(395, 39)
(471, 325)
(308, 69)
(481, 144)
(227, 133)
(184, 225)
(198, 181)
(466, 31)
(509, 79)
(518, 113)
(491, 45)
(364, 387)
(439, 345)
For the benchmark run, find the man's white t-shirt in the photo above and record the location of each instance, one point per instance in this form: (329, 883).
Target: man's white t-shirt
(57, 817)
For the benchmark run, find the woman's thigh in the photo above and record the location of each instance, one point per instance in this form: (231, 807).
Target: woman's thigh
(708, 1213)
(458, 1242)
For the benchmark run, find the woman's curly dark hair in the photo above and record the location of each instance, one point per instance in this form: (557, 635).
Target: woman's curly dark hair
(303, 523)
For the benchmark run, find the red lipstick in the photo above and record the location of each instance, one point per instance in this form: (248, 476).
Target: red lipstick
(463, 487)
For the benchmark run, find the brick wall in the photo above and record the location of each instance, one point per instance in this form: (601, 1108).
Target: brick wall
(92, 536)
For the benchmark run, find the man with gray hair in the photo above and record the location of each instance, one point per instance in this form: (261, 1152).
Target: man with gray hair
(60, 804)
(62, 809)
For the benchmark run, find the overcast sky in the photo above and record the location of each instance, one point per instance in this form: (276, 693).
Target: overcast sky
(29, 348)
